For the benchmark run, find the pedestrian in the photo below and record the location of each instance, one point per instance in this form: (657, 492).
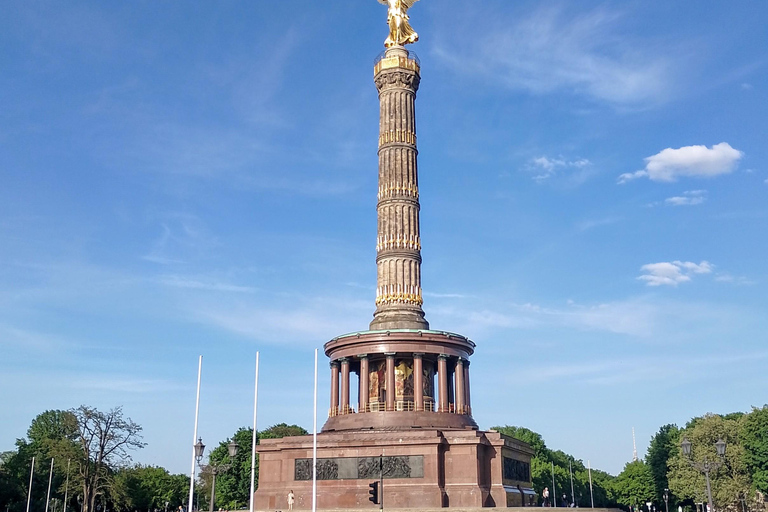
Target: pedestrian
(545, 497)
(564, 501)
(290, 499)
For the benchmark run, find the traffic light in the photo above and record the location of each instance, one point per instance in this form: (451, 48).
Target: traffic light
(373, 492)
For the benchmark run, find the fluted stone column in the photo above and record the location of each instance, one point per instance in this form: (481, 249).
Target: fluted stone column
(364, 384)
(390, 382)
(344, 386)
(418, 382)
(442, 377)
(398, 261)
(334, 388)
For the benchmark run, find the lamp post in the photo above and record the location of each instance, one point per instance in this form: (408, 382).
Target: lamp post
(706, 466)
(215, 469)
(666, 499)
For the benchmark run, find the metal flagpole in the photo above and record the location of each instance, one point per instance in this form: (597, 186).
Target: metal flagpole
(570, 468)
(591, 496)
(554, 491)
(66, 487)
(29, 492)
(48, 494)
(253, 440)
(314, 446)
(194, 437)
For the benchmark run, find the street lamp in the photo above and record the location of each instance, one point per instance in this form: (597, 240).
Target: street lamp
(666, 499)
(215, 469)
(706, 466)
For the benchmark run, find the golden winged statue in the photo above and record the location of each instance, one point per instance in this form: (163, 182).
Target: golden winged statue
(400, 31)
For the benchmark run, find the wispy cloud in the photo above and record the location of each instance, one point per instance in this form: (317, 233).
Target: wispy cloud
(553, 50)
(203, 283)
(689, 198)
(689, 161)
(673, 273)
(543, 168)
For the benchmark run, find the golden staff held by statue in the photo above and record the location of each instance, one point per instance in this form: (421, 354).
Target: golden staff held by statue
(400, 31)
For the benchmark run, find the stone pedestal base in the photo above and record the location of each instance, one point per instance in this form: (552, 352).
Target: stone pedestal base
(423, 468)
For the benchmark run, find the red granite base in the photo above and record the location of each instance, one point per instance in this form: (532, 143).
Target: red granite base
(447, 468)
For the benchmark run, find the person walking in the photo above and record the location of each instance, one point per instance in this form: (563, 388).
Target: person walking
(290, 499)
(545, 497)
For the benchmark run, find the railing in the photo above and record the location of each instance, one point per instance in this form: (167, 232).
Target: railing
(401, 406)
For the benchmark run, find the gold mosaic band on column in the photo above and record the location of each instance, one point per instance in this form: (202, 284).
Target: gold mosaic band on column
(412, 242)
(398, 189)
(405, 136)
(397, 61)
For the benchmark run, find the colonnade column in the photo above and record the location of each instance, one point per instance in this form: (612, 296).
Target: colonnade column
(418, 382)
(344, 386)
(459, 386)
(334, 388)
(467, 399)
(390, 381)
(364, 375)
(442, 376)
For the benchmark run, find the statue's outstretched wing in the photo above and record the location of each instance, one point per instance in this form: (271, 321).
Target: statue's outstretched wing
(384, 2)
(408, 3)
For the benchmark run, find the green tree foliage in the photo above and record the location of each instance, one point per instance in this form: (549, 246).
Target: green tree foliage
(542, 472)
(104, 439)
(233, 487)
(635, 484)
(728, 482)
(754, 436)
(663, 445)
(147, 488)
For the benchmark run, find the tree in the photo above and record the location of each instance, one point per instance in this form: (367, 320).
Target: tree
(662, 446)
(634, 485)
(728, 482)
(754, 435)
(234, 486)
(104, 440)
(147, 488)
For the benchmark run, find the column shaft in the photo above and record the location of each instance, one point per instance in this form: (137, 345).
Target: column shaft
(334, 388)
(418, 382)
(344, 386)
(460, 404)
(467, 399)
(364, 384)
(390, 382)
(442, 376)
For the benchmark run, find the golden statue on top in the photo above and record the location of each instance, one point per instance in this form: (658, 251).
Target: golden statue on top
(400, 31)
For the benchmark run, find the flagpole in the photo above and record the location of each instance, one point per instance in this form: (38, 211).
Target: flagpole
(314, 445)
(591, 496)
(194, 437)
(554, 491)
(48, 494)
(570, 468)
(253, 440)
(29, 492)
(66, 487)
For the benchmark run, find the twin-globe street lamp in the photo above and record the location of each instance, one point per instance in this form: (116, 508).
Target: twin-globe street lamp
(214, 469)
(706, 466)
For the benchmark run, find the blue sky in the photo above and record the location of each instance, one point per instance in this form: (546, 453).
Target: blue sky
(197, 178)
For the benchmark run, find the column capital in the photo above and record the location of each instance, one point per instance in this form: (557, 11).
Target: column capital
(362, 356)
(390, 354)
(418, 355)
(343, 360)
(334, 364)
(443, 356)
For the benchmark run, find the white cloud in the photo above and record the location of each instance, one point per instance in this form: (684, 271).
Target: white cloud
(688, 161)
(545, 167)
(553, 50)
(689, 198)
(673, 273)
